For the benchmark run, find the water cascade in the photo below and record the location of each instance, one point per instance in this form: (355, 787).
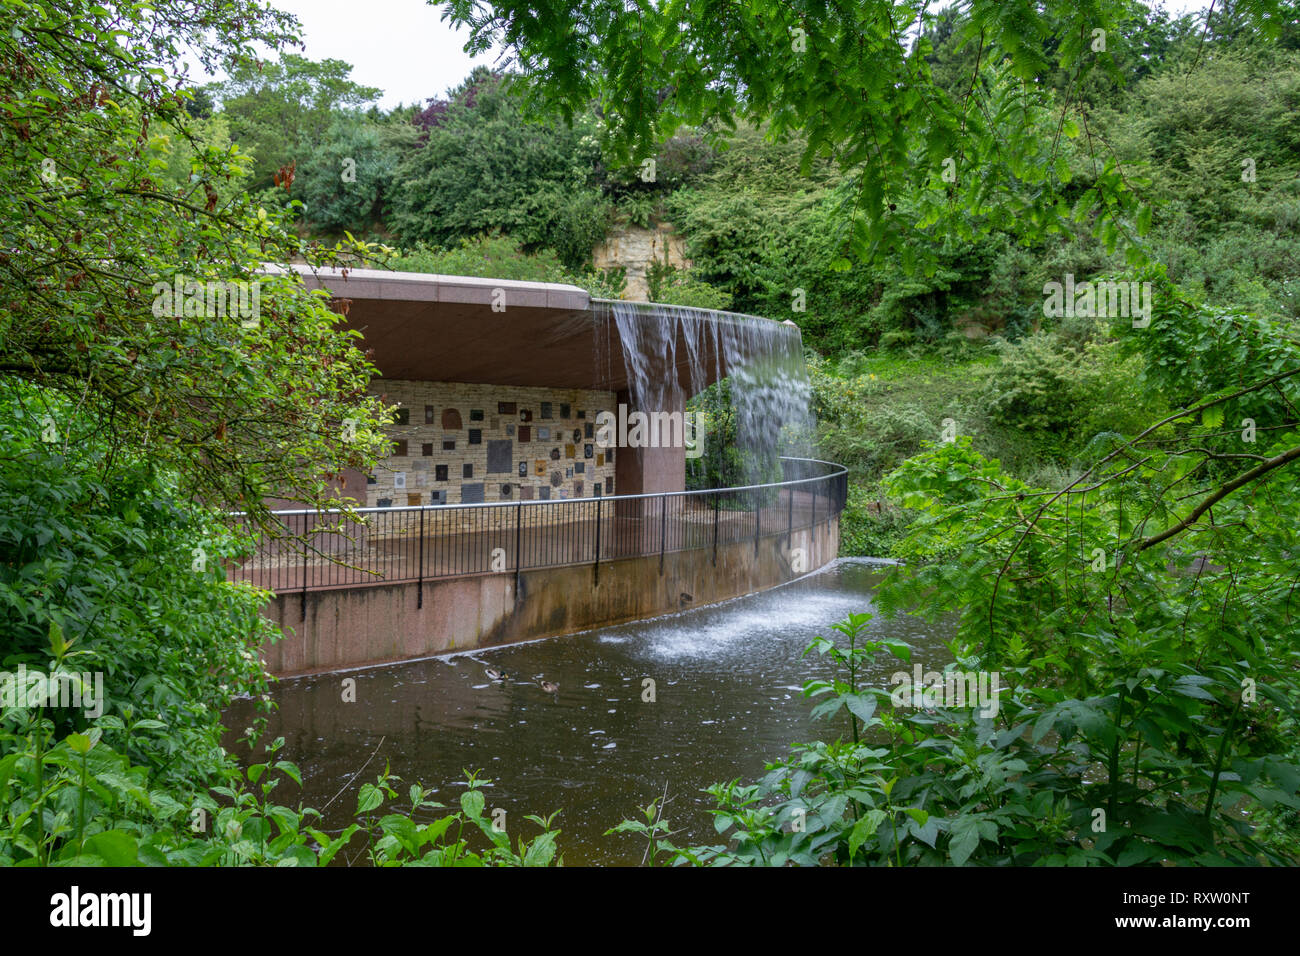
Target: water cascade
(766, 380)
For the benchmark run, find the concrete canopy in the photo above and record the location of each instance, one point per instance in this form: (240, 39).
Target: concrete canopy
(425, 327)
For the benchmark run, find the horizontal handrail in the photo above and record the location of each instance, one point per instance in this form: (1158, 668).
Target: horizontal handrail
(839, 470)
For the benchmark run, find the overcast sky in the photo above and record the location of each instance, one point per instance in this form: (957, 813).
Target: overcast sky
(404, 48)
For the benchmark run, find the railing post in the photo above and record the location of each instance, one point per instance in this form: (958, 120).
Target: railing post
(789, 517)
(599, 509)
(304, 570)
(419, 587)
(758, 518)
(663, 529)
(716, 501)
(813, 524)
(519, 521)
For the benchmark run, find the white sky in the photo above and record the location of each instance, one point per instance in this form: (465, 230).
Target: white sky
(404, 47)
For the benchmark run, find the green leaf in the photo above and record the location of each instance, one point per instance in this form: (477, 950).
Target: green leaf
(865, 829)
(964, 837)
(862, 706)
(1144, 220)
(472, 802)
(369, 798)
(113, 846)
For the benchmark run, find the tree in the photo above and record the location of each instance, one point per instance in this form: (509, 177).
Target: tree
(849, 78)
(144, 303)
(280, 111)
(484, 167)
(346, 180)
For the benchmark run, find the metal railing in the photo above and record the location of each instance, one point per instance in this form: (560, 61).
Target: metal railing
(426, 542)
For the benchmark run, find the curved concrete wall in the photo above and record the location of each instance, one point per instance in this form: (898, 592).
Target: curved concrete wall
(354, 627)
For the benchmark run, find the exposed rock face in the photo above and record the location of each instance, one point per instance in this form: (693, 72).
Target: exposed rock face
(634, 248)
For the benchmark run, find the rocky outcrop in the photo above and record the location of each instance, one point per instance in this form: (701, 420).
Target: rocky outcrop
(633, 248)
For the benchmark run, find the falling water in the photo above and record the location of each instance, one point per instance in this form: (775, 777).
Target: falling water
(762, 360)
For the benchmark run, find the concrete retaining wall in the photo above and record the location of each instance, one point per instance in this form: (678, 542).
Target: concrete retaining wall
(354, 627)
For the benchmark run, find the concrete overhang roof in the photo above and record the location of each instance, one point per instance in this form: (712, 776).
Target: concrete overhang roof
(438, 328)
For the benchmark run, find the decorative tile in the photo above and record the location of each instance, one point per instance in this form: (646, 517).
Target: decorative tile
(543, 434)
(596, 490)
(471, 493)
(399, 448)
(510, 430)
(600, 459)
(564, 410)
(451, 419)
(440, 472)
(581, 413)
(384, 503)
(577, 489)
(506, 408)
(544, 493)
(568, 473)
(403, 416)
(546, 409)
(539, 467)
(525, 415)
(525, 492)
(413, 500)
(557, 479)
(588, 451)
(570, 451)
(577, 435)
(609, 486)
(438, 497)
(467, 470)
(564, 493)
(419, 466)
(476, 436)
(523, 469)
(499, 453)
(371, 480)
(506, 490)
(609, 456)
(399, 480)
(476, 414)
(579, 467)
(426, 448)
(588, 430)
(555, 454)
(448, 444)
(428, 414)
(525, 433)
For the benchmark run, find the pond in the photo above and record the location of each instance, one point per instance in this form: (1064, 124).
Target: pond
(727, 682)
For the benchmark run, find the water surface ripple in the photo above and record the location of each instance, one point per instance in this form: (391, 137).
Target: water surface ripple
(727, 685)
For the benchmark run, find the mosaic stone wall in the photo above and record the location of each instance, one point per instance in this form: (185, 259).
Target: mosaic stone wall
(460, 444)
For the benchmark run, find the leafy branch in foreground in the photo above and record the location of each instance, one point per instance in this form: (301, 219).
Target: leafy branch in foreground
(78, 802)
(93, 240)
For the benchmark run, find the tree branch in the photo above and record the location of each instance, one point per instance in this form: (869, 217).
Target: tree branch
(1246, 478)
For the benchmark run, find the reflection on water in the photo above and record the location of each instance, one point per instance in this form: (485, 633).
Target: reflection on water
(727, 682)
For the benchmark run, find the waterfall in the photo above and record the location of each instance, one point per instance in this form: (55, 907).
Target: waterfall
(762, 361)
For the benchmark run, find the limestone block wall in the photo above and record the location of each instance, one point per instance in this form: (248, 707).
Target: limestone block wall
(460, 443)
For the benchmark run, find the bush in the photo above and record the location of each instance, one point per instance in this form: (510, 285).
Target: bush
(500, 257)
(870, 526)
(1059, 396)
